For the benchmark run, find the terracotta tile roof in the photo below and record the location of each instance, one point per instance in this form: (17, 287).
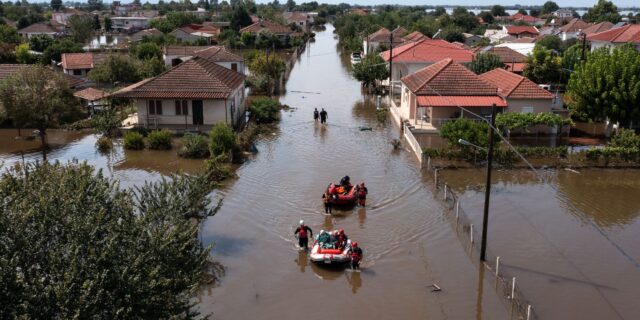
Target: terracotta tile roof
(523, 18)
(517, 67)
(414, 36)
(183, 50)
(429, 51)
(506, 55)
(196, 78)
(268, 26)
(192, 28)
(7, 70)
(628, 33)
(575, 25)
(218, 54)
(524, 40)
(153, 32)
(521, 29)
(39, 28)
(598, 27)
(380, 35)
(462, 101)
(295, 16)
(84, 60)
(513, 86)
(449, 79)
(399, 32)
(91, 94)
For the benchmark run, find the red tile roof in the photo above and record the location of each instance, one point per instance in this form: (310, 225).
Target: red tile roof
(39, 28)
(449, 79)
(523, 18)
(84, 60)
(506, 55)
(218, 54)
(183, 50)
(460, 101)
(521, 29)
(575, 25)
(517, 67)
(513, 86)
(414, 36)
(598, 27)
(628, 33)
(380, 35)
(429, 51)
(524, 40)
(91, 94)
(268, 26)
(196, 78)
(7, 70)
(295, 16)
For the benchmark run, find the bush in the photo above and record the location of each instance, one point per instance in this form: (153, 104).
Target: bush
(133, 141)
(222, 139)
(160, 139)
(106, 122)
(265, 110)
(194, 146)
(476, 132)
(104, 144)
(216, 170)
(625, 138)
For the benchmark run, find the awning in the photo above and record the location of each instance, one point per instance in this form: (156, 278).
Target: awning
(461, 101)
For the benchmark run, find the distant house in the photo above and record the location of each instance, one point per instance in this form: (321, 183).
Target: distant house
(79, 64)
(471, 39)
(383, 37)
(129, 24)
(62, 16)
(282, 31)
(200, 13)
(433, 95)
(7, 70)
(616, 37)
(563, 14)
(301, 19)
(519, 17)
(39, 29)
(414, 36)
(174, 55)
(496, 35)
(194, 95)
(193, 32)
(359, 11)
(598, 27)
(522, 95)
(413, 56)
(9, 22)
(521, 31)
(513, 61)
(92, 99)
(149, 33)
(144, 13)
(522, 48)
(573, 29)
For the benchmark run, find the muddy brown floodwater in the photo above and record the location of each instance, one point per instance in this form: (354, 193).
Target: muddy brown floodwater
(408, 245)
(572, 242)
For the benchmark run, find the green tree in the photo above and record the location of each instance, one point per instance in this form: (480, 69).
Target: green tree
(486, 16)
(94, 5)
(58, 47)
(572, 57)
(222, 139)
(56, 5)
(371, 69)
(240, 18)
(81, 28)
(23, 55)
(106, 122)
(290, 5)
(522, 11)
(603, 11)
(40, 42)
(116, 68)
(152, 67)
(498, 11)
(8, 34)
(476, 132)
(543, 66)
(607, 86)
(534, 12)
(107, 24)
(248, 38)
(147, 50)
(37, 97)
(484, 62)
(77, 245)
(549, 7)
(551, 42)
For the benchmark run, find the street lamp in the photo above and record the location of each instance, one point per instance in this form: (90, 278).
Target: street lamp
(487, 192)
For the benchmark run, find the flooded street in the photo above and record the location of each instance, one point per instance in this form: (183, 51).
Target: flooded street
(572, 242)
(408, 245)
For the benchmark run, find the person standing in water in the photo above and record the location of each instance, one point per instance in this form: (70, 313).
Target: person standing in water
(303, 232)
(323, 116)
(326, 198)
(316, 114)
(356, 255)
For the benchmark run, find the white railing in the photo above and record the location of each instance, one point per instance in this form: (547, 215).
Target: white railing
(413, 143)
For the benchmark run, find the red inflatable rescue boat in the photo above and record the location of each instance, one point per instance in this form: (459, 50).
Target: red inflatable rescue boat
(342, 195)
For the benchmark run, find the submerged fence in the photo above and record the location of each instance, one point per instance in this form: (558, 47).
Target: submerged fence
(470, 236)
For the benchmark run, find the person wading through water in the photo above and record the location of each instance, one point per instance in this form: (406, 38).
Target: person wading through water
(315, 115)
(356, 256)
(303, 232)
(323, 116)
(361, 192)
(326, 198)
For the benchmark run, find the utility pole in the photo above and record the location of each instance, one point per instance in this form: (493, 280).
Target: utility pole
(391, 64)
(487, 192)
(584, 46)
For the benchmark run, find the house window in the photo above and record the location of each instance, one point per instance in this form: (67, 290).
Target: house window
(155, 107)
(182, 108)
(234, 67)
(527, 109)
(77, 72)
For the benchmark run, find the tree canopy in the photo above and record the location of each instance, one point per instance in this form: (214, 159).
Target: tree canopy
(486, 61)
(603, 11)
(81, 27)
(371, 69)
(607, 85)
(116, 68)
(498, 11)
(76, 245)
(549, 7)
(543, 66)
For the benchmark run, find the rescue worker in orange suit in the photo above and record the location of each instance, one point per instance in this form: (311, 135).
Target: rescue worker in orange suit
(326, 198)
(362, 194)
(341, 239)
(303, 232)
(356, 256)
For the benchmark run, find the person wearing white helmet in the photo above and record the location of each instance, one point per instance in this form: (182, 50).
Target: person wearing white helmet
(303, 232)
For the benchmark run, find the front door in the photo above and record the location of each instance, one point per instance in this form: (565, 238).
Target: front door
(198, 117)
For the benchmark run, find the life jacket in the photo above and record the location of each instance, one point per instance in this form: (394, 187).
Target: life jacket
(356, 254)
(362, 192)
(303, 232)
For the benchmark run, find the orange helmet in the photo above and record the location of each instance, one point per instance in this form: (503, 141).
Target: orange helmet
(341, 231)
(354, 244)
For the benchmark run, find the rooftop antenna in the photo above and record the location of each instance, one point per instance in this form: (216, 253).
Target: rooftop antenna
(437, 34)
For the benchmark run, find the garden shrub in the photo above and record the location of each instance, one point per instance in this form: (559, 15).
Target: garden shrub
(133, 141)
(265, 110)
(625, 138)
(222, 139)
(476, 132)
(160, 139)
(104, 144)
(194, 146)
